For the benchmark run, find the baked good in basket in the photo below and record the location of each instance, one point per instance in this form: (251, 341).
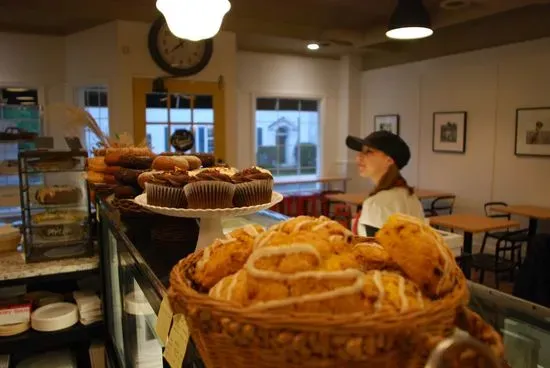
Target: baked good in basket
(306, 293)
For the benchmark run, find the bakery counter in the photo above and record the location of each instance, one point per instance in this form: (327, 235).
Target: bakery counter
(13, 267)
(138, 253)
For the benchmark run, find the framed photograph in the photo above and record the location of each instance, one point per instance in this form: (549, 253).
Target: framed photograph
(533, 132)
(449, 132)
(389, 123)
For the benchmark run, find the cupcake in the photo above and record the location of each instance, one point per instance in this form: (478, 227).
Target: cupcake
(253, 186)
(166, 189)
(210, 189)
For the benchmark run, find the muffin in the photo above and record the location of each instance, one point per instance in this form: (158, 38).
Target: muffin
(146, 177)
(253, 186)
(166, 189)
(210, 189)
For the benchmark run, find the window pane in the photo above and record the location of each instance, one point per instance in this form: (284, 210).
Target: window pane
(180, 108)
(309, 105)
(156, 110)
(158, 137)
(290, 105)
(266, 104)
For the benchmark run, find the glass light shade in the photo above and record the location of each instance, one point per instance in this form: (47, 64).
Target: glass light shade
(194, 20)
(409, 33)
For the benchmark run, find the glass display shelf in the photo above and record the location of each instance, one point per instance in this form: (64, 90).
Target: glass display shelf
(137, 267)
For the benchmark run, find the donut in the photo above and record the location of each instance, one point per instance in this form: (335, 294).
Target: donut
(96, 164)
(128, 176)
(135, 162)
(112, 158)
(170, 163)
(112, 170)
(194, 162)
(95, 177)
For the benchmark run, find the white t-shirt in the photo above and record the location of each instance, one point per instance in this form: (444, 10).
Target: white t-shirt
(377, 208)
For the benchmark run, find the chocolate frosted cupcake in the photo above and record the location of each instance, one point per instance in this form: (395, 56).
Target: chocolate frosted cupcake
(211, 189)
(166, 189)
(253, 186)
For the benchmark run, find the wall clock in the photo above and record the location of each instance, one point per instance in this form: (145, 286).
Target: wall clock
(176, 56)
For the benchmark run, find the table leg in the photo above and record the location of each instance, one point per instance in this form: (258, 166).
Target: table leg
(533, 225)
(467, 255)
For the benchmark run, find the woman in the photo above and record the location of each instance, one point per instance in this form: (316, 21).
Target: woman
(380, 157)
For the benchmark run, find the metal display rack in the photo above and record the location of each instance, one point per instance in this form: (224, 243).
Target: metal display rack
(50, 230)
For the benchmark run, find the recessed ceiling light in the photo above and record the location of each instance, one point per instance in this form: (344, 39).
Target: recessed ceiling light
(313, 46)
(16, 89)
(410, 20)
(25, 98)
(27, 103)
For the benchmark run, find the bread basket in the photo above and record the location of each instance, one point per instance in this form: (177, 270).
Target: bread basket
(230, 336)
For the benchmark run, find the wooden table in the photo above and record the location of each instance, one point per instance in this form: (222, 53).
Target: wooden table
(471, 224)
(534, 213)
(357, 199)
(324, 181)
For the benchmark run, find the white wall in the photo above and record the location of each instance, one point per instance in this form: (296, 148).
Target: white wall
(488, 84)
(271, 75)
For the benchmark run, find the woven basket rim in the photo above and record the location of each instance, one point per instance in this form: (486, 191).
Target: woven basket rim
(181, 289)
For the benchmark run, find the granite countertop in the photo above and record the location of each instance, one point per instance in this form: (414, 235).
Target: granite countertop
(13, 266)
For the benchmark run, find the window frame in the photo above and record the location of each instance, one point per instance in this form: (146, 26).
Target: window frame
(321, 100)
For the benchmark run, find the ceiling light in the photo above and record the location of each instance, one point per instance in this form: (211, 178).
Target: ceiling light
(16, 89)
(27, 103)
(194, 20)
(410, 20)
(313, 46)
(454, 4)
(25, 98)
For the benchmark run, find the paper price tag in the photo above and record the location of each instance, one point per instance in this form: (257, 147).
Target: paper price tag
(164, 320)
(176, 346)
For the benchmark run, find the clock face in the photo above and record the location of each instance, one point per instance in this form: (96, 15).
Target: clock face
(177, 56)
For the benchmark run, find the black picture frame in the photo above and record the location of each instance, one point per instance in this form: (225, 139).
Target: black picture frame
(392, 119)
(153, 45)
(455, 140)
(531, 118)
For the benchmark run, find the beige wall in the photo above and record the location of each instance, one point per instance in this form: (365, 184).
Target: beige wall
(488, 84)
(271, 75)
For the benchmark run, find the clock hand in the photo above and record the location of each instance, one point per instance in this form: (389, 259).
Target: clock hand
(180, 44)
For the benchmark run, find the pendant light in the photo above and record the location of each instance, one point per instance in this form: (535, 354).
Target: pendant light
(410, 20)
(194, 20)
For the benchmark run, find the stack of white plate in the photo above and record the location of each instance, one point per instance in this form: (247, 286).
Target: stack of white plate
(89, 307)
(54, 317)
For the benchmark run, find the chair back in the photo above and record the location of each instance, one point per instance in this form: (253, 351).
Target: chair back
(442, 205)
(490, 212)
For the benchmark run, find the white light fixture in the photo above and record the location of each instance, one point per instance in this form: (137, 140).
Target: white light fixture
(25, 98)
(410, 20)
(313, 46)
(194, 20)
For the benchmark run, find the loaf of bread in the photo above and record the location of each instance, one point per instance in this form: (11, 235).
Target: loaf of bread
(58, 194)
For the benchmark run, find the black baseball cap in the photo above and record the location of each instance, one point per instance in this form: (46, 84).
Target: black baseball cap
(387, 142)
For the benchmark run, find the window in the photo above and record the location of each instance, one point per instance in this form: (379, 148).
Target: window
(19, 109)
(94, 101)
(287, 137)
(166, 113)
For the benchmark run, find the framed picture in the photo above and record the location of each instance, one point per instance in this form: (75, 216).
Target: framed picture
(389, 123)
(449, 132)
(533, 132)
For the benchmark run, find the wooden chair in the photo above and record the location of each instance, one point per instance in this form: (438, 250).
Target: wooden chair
(507, 241)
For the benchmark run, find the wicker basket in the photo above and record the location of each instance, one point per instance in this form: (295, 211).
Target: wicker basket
(233, 337)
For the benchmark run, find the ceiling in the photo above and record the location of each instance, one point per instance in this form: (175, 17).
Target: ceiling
(341, 26)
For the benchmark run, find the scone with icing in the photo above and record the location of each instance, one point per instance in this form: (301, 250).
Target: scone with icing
(225, 256)
(421, 253)
(261, 286)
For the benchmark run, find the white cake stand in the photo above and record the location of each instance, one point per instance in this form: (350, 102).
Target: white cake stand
(210, 224)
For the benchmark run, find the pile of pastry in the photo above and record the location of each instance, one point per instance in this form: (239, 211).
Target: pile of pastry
(315, 265)
(126, 169)
(208, 188)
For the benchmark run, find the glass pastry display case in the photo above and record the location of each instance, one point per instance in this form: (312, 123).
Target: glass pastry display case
(136, 268)
(56, 214)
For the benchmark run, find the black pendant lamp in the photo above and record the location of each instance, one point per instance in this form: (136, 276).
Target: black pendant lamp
(410, 20)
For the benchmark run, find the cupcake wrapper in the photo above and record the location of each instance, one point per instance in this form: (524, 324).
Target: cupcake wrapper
(253, 193)
(210, 194)
(163, 196)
